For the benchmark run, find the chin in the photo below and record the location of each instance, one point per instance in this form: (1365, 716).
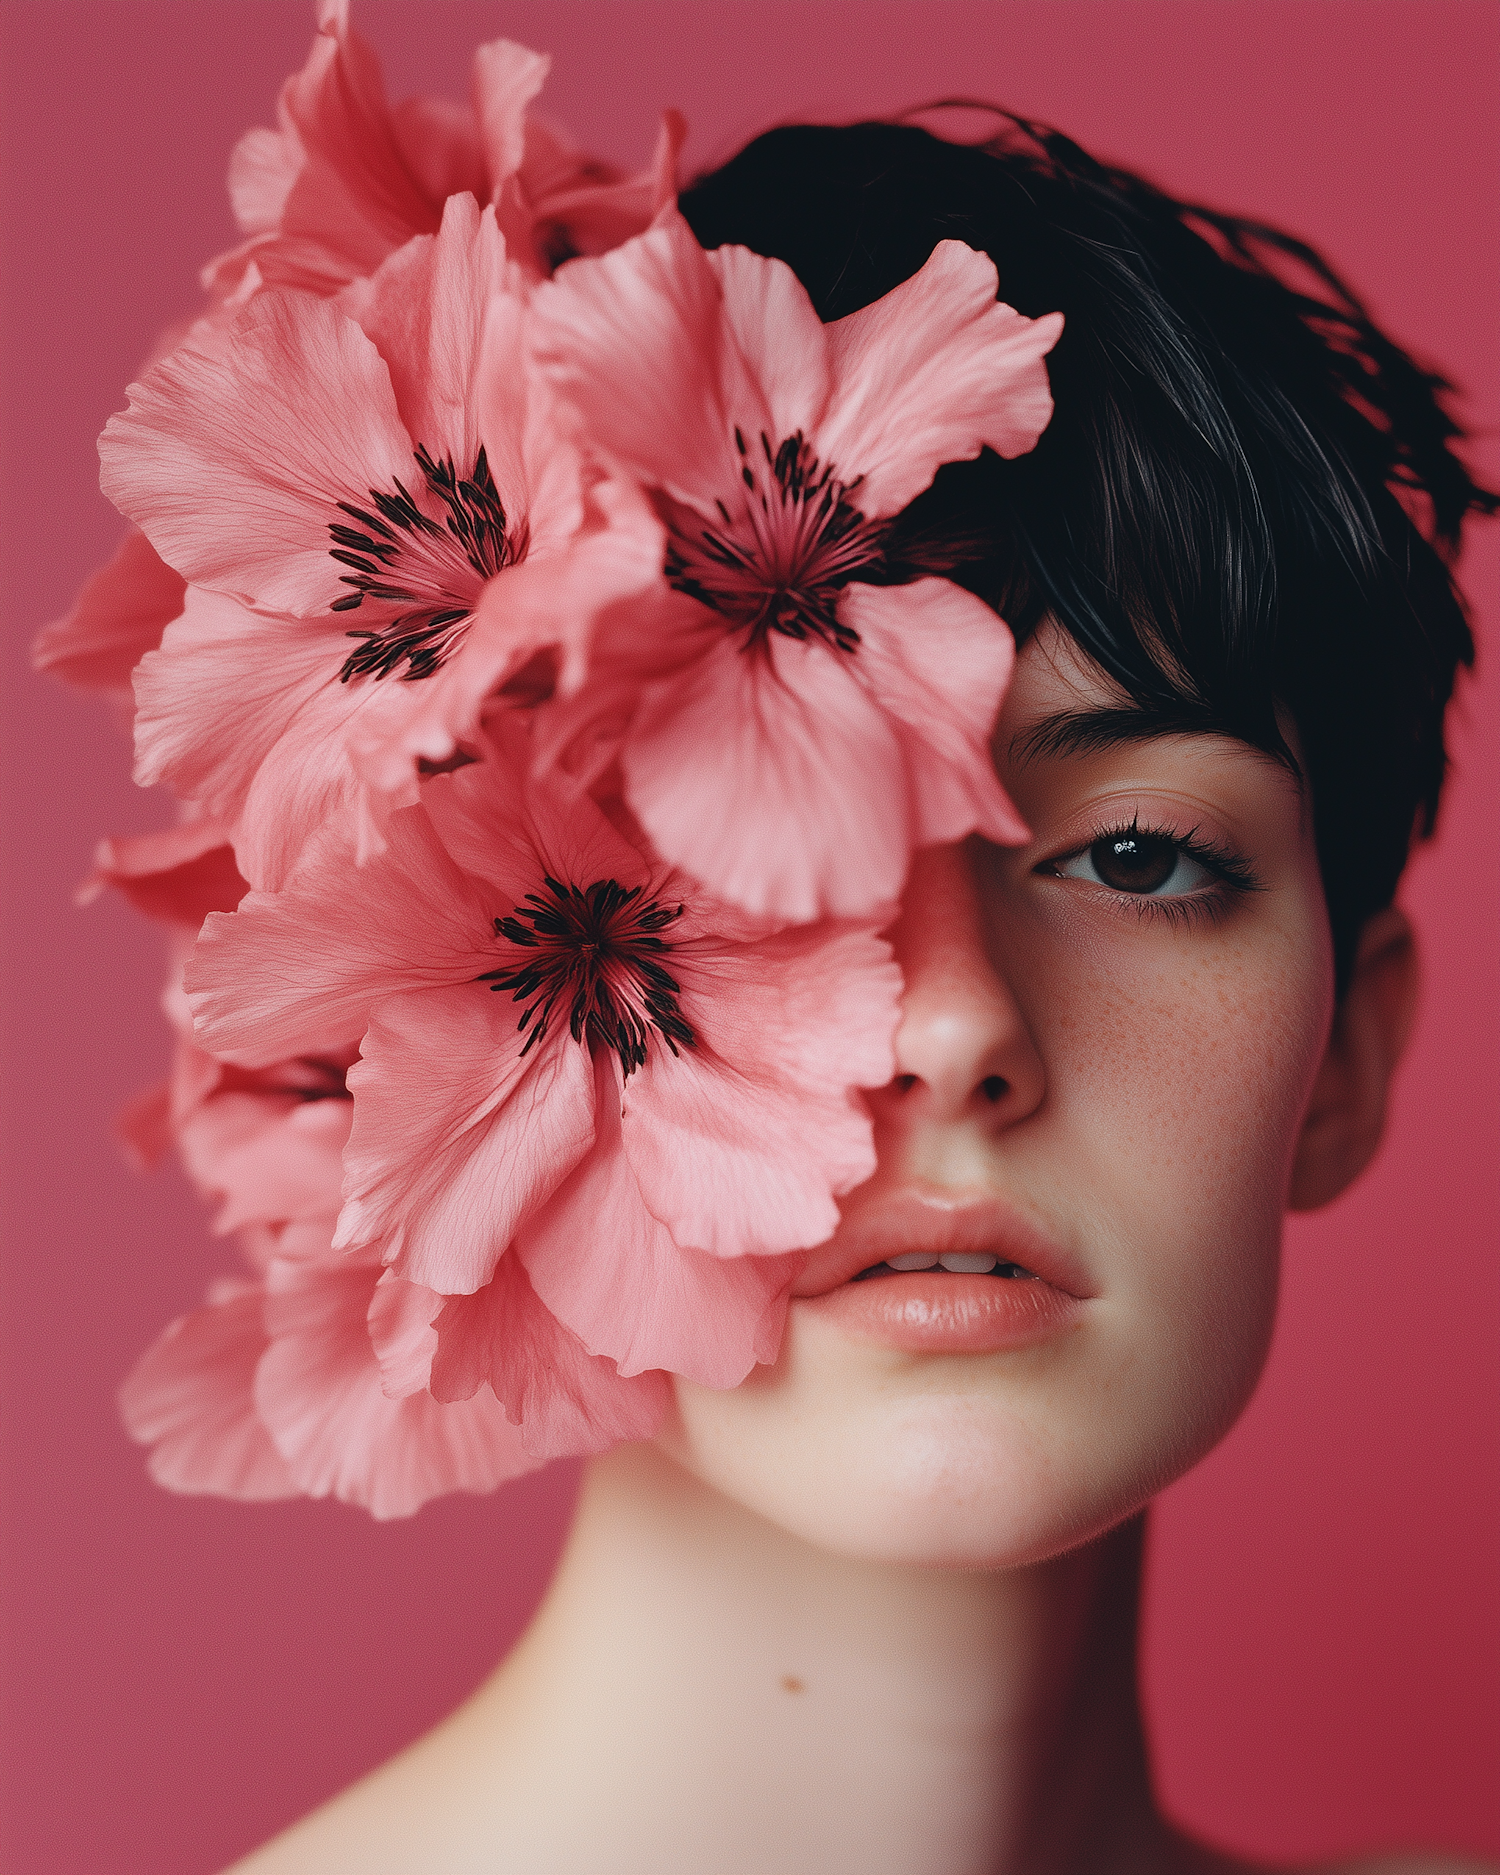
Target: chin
(947, 1477)
(961, 1462)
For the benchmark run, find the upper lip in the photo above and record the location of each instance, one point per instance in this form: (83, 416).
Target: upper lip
(912, 1218)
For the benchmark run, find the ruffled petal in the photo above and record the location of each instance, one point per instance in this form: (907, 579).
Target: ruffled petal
(764, 1110)
(190, 1398)
(457, 1135)
(318, 1389)
(783, 342)
(296, 972)
(775, 779)
(506, 79)
(177, 876)
(581, 208)
(637, 341)
(931, 373)
(433, 310)
(938, 660)
(565, 1400)
(263, 165)
(116, 619)
(268, 1157)
(614, 1275)
(355, 197)
(237, 448)
(213, 700)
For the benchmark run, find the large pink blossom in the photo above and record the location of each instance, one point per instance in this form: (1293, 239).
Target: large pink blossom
(657, 1107)
(346, 178)
(340, 482)
(800, 727)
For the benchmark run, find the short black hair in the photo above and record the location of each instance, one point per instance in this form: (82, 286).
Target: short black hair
(1247, 496)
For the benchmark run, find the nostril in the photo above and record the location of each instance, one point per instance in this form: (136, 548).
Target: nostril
(994, 1088)
(904, 1083)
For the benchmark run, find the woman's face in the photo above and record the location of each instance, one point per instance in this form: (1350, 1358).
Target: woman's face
(1108, 1042)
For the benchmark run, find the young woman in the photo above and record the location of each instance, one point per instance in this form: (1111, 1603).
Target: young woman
(875, 1607)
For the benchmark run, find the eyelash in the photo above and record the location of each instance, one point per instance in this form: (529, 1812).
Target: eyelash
(1234, 876)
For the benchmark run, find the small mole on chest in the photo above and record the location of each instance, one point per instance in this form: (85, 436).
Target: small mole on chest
(790, 1683)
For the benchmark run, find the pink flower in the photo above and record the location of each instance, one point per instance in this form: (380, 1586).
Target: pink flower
(275, 1389)
(652, 1059)
(346, 178)
(341, 483)
(116, 619)
(800, 727)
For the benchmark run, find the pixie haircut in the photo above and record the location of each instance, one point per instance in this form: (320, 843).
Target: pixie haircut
(1247, 496)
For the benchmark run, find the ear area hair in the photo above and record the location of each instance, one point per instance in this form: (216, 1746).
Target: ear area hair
(1346, 1114)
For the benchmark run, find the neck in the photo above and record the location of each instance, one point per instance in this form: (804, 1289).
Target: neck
(719, 1694)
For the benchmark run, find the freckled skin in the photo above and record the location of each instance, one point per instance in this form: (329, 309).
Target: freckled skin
(1155, 1069)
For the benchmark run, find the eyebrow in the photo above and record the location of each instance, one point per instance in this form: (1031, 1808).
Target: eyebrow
(1091, 732)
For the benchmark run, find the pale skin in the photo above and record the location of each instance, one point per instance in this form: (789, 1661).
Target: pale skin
(874, 1612)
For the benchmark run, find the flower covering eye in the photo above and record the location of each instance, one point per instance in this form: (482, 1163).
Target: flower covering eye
(660, 740)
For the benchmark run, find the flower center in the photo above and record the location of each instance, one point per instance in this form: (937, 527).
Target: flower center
(428, 572)
(780, 562)
(595, 950)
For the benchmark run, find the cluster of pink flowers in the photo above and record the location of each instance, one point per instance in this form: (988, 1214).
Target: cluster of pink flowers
(507, 613)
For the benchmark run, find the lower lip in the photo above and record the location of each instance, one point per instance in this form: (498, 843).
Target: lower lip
(933, 1312)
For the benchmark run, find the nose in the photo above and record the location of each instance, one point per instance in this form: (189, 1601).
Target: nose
(966, 1060)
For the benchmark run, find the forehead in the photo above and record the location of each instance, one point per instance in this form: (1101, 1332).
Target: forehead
(1061, 712)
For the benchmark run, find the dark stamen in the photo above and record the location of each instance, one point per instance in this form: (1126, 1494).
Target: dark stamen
(443, 564)
(781, 563)
(595, 950)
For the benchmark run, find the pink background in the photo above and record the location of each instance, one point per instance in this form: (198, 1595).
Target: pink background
(183, 1676)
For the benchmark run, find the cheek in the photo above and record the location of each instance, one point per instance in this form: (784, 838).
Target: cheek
(1177, 1087)
(1176, 1079)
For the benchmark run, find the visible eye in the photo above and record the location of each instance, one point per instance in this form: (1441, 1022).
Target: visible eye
(1148, 865)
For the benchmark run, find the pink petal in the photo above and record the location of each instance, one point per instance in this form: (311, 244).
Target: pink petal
(764, 1109)
(932, 373)
(221, 665)
(439, 144)
(116, 619)
(432, 310)
(564, 1399)
(318, 1390)
(190, 1399)
(268, 1157)
(356, 197)
(237, 448)
(782, 340)
(637, 340)
(938, 660)
(143, 1126)
(457, 1135)
(774, 778)
(612, 1273)
(507, 77)
(577, 206)
(262, 168)
(177, 876)
(296, 973)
